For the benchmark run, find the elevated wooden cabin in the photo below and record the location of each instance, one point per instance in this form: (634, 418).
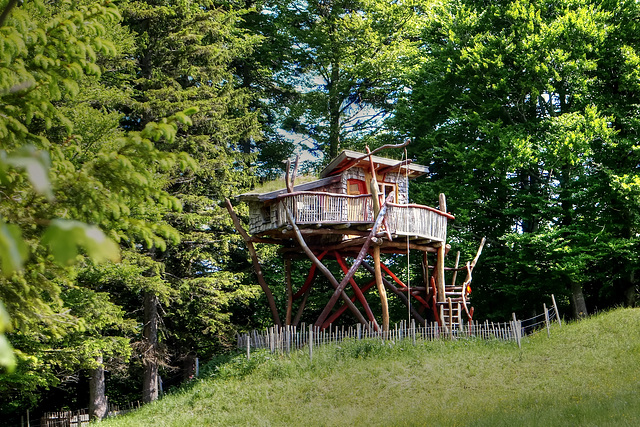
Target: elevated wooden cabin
(334, 217)
(341, 200)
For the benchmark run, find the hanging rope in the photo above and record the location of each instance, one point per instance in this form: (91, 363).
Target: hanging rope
(406, 221)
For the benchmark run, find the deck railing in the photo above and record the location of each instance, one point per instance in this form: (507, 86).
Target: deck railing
(324, 208)
(309, 207)
(417, 220)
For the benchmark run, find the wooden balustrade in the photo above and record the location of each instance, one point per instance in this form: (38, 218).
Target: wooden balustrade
(322, 208)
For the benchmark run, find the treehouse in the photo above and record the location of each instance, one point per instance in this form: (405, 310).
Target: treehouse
(358, 209)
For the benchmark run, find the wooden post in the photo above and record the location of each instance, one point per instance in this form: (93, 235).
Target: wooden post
(306, 295)
(546, 320)
(450, 318)
(401, 296)
(339, 287)
(287, 332)
(441, 253)
(455, 269)
(425, 274)
(555, 307)
(516, 330)
(248, 347)
(413, 330)
(373, 186)
(310, 342)
(256, 263)
(287, 273)
(381, 290)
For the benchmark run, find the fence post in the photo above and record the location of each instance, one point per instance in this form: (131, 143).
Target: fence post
(288, 336)
(555, 307)
(516, 330)
(272, 339)
(546, 320)
(248, 347)
(311, 342)
(413, 331)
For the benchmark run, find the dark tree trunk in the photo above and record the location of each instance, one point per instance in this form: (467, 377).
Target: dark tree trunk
(577, 301)
(334, 110)
(97, 397)
(150, 358)
(631, 291)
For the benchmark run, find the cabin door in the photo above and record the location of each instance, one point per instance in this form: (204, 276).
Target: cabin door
(359, 208)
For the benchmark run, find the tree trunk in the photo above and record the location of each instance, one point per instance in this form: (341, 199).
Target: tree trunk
(334, 110)
(97, 397)
(150, 358)
(577, 300)
(631, 291)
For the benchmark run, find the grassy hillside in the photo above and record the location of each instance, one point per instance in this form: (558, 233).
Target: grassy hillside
(586, 374)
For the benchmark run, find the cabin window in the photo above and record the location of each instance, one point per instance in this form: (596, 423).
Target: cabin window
(356, 186)
(265, 212)
(385, 189)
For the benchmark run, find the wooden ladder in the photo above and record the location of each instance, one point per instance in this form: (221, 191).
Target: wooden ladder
(452, 311)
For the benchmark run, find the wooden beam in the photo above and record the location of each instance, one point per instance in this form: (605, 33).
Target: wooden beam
(441, 254)
(290, 180)
(358, 293)
(475, 261)
(384, 147)
(395, 290)
(455, 269)
(304, 300)
(287, 181)
(391, 168)
(381, 290)
(354, 267)
(336, 314)
(339, 287)
(287, 274)
(310, 278)
(256, 262)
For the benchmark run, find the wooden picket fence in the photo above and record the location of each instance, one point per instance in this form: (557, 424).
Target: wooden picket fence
(288, 338)
(80, 418)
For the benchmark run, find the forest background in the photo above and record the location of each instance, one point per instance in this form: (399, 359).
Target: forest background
(123, 126)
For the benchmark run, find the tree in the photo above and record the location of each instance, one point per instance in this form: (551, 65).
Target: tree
(344, 62)
(99, 176)
(510, 114)
(189, 54)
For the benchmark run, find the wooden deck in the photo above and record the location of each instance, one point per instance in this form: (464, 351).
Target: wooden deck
(340, 211)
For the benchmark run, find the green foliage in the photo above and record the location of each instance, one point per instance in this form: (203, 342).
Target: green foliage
(343, 65)
(518, 126)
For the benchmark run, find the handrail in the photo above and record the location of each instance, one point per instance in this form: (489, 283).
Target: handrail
(428, 208)
(356, 196)
(321, 193)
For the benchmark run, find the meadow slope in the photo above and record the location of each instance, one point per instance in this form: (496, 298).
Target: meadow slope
(586, 374)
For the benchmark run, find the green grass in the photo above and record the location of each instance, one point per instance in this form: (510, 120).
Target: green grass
(586, 374)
